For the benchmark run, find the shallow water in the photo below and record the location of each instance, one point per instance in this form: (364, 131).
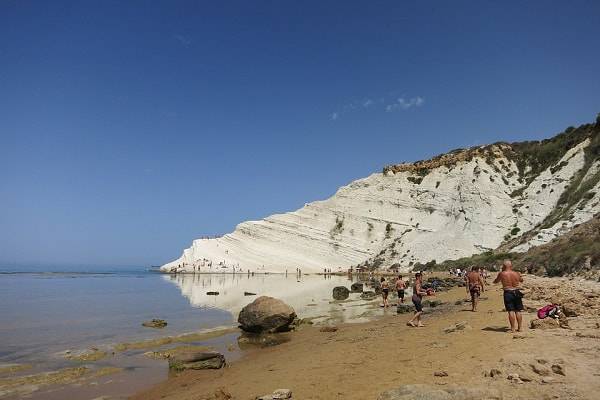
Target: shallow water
(44, 314)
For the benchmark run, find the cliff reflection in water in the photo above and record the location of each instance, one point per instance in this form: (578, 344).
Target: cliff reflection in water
(309, 295)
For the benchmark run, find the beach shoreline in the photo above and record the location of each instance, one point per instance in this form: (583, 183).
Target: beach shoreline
(361, 360)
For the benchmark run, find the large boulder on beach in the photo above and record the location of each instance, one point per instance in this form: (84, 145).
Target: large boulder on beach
(197, 360)
(266, 314)
(432, 392)
(340, 293)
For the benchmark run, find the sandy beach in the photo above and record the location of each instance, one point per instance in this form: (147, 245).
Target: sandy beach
(360, 361)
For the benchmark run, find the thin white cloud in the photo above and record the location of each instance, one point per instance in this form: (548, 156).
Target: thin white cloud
(400, 103)
(404, 104)
(183, 40)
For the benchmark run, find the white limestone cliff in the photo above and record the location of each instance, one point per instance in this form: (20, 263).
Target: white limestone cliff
(462, 204)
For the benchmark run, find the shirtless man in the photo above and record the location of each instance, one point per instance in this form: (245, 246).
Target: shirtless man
(385, 291)
(400, 286)
(418, 294)
(475, 285)
(513, 302)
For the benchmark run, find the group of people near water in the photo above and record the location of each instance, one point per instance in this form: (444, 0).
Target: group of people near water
(475, 284)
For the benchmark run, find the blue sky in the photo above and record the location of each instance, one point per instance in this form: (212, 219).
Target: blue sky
(127, 129)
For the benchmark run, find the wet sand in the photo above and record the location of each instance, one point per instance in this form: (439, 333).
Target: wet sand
(359, 361)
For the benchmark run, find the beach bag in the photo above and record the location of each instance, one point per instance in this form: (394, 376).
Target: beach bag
(551, 310)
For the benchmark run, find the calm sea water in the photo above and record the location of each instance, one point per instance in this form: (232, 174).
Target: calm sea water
(44, 313)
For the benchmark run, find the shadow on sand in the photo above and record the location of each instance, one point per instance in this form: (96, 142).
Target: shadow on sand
(503, 329)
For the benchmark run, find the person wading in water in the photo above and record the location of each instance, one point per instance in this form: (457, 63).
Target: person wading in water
(400, 286)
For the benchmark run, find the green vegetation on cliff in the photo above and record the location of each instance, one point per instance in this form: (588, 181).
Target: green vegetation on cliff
(576, 252)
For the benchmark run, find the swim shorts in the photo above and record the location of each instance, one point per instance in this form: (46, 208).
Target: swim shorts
(401, 293)
(417, 302)
(513, 301)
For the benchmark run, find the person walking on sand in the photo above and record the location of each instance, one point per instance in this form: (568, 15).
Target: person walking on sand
(475, 285)
(418, 294)
(385, 291)
(400, 286)
(513, 297)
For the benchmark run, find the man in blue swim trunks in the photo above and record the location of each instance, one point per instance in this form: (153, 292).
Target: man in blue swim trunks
(513, 298)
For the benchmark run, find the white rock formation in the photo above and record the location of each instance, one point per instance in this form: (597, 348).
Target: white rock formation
(310, 296)
(457, 209)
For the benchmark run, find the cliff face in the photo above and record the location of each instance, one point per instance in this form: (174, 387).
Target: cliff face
(454, 205)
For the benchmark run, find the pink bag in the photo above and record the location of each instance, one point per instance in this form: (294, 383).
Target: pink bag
(546, 311)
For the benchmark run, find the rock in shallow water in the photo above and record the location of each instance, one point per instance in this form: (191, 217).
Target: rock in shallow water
(266, 314)
(369, 295)
(340, 293)
(356, 287)
(155, 323)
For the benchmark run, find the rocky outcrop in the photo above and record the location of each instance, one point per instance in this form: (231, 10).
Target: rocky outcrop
(357, 287)
(340, 293)
(455, 205)
(368, 295)
(155, 323)
(266, 314)
(197, 360)
(549, 323)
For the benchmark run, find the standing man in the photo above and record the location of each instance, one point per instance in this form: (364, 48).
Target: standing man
(475, 285)
(513, 298)
(418, 294)
(400, 286)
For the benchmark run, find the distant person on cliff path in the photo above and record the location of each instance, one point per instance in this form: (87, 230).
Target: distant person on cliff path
(513, 298)
(418, 294)
(385, 291)
(400, 286)
(475, 285)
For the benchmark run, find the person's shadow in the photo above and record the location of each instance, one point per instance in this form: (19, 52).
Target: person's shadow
(503, 329)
